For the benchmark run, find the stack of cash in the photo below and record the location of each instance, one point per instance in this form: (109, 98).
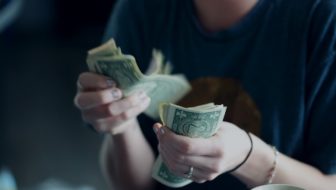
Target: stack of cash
(108, 60)
(196, 122)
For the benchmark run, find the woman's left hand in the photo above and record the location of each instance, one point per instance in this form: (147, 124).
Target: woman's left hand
(209, 157)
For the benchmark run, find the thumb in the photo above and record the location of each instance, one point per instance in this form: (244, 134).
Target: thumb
(159, 130)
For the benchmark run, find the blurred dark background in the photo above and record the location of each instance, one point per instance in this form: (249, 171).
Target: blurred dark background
(41, 54)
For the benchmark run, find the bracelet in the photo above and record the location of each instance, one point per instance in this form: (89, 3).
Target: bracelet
(247, 156)
(274, 165)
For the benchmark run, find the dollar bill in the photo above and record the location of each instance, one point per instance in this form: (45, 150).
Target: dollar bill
(196, 122)
(160, 86)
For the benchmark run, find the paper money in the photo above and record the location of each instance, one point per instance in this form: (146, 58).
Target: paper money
(109, 60)
(196, 122)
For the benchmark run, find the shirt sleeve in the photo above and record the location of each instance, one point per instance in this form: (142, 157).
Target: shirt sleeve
(320, 145)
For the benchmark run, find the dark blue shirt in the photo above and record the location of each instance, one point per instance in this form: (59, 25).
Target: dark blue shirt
(276, 67)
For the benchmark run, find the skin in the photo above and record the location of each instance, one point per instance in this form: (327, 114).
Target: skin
(225, 150)
(215, 15)
(127, 159)
(125, 152)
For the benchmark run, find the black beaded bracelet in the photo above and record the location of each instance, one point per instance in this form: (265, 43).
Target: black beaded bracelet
(247, 156)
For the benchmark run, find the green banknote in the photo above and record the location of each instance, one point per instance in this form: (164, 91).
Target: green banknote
(160, 86)
(196, 122)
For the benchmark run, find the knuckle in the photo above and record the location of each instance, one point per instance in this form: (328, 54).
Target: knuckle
(185, 147)
(100, 83)
(111, 110)
(125, 116)
(101, 97)
(131, 101)
(101, 112)
(180, 158)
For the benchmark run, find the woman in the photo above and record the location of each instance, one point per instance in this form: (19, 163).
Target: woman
(272, 62)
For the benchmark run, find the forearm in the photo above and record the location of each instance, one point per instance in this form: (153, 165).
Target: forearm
(127, 159)
(289, 171)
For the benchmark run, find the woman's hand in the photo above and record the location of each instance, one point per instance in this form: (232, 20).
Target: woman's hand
(209, 157)
(102, 104)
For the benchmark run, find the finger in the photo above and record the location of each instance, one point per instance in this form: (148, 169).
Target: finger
(88, 81)
(197, 174)
(124, 104)
(208, 164)
(105, 112)
(187, 145)
(136, 110)
(97, 113)
(169, 160)
(178, 169)
(166, 158)
(201, 172)
(201, 176)
(172, 154)
(91, 99)
(156, 128)
(181, 170)
(165, 145)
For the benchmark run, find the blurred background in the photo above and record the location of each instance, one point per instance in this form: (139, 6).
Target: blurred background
(42, 51)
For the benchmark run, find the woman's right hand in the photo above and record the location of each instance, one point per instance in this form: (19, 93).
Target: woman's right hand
(102, 104)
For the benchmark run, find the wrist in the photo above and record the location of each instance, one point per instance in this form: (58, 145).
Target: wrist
(127, 129)
(246, 154)
(255, 170)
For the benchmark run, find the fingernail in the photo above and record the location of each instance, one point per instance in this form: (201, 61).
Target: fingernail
(115, 93)
(155, 130)
(162, 131)
(110, 83)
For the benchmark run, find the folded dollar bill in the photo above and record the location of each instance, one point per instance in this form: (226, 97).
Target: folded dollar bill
(109, 60)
